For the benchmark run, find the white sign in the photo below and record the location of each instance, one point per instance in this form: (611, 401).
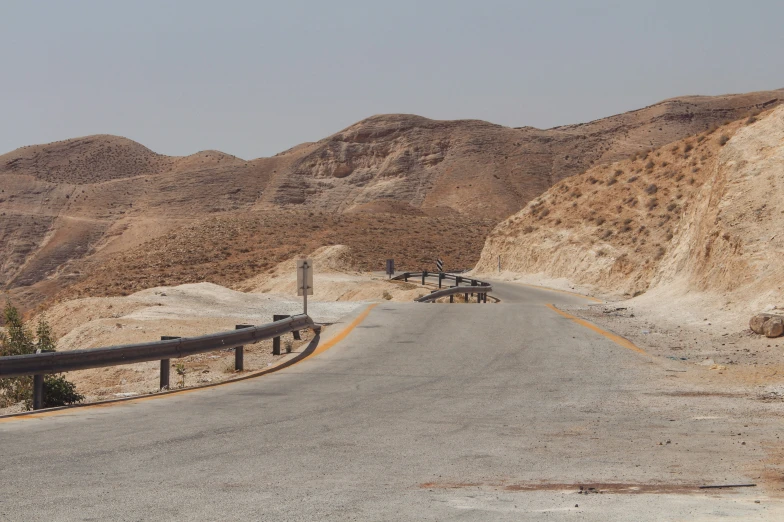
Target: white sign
(304, 277)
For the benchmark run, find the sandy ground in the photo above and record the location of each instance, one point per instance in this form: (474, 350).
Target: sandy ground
(196, 309)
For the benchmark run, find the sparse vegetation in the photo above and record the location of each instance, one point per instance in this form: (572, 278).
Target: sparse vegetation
(18, 339)
(228, 249)
(181, 371)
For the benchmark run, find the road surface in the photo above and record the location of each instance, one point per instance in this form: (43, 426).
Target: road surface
(423, 412)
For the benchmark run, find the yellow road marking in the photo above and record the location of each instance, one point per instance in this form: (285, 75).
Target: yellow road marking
(617, 339)
(321, 348)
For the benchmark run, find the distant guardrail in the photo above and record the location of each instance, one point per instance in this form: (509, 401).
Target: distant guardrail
(480, 291)
(473, 286)
(39, 364)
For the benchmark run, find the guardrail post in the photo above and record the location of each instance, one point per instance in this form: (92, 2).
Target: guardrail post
(424, 275)
(239, 351)
(166, 365)
(466, 297)
(452, 298)
(164, 381)
(458, 280)
(276, 340)
(38, 391)
(440, 278)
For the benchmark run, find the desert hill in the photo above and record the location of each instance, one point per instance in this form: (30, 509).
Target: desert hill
(696, 221)
(479, 168)
(230, 248)
(69, 206)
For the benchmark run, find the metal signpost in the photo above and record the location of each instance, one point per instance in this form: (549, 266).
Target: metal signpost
(305, 281)
(390, 267)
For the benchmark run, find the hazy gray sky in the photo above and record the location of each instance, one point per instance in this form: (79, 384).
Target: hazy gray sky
(253, 78)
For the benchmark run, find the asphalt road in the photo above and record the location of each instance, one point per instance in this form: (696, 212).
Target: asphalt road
(423, 412)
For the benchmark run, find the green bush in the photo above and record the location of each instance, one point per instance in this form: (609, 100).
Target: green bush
(18, 339)
(58, 391)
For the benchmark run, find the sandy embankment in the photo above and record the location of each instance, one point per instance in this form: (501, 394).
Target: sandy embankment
(197, 309)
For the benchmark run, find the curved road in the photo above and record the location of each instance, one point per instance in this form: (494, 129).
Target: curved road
(424, 412)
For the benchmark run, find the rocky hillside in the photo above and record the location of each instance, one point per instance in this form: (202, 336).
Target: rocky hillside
(71, 205)
(229, 249)
(701, 215)
(479, 168)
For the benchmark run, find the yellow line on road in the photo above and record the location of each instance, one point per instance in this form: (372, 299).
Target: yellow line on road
(321, 348)
(617, 339)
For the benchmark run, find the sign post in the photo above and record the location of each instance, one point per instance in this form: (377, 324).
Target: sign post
(390, 267)
(440, 264)
(304, 281)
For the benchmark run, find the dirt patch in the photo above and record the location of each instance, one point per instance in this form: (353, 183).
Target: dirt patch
(701, 394)
(585, 488)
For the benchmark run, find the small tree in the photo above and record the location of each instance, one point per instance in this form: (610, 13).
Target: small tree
(18, 339)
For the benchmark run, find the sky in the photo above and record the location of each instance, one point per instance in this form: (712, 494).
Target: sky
(254, 78)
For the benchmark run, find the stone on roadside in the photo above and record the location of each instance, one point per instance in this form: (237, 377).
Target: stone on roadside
(757, 323)
(773, 327)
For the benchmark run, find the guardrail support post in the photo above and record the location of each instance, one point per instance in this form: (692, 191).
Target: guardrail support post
(466, 297)
(452, 298)
(424, 275)
(38, 391)
(239, 351)
(440, 278)
(164, 382)
(405, 277)
(276, 340)
(166, 365)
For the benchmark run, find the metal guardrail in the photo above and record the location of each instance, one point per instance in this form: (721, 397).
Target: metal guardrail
(39, 364)
(474, 286)
(441, 276)
(480, 291)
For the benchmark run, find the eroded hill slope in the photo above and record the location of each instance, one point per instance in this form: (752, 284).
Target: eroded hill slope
(479, 168)
(699, 216)
(69, 206)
